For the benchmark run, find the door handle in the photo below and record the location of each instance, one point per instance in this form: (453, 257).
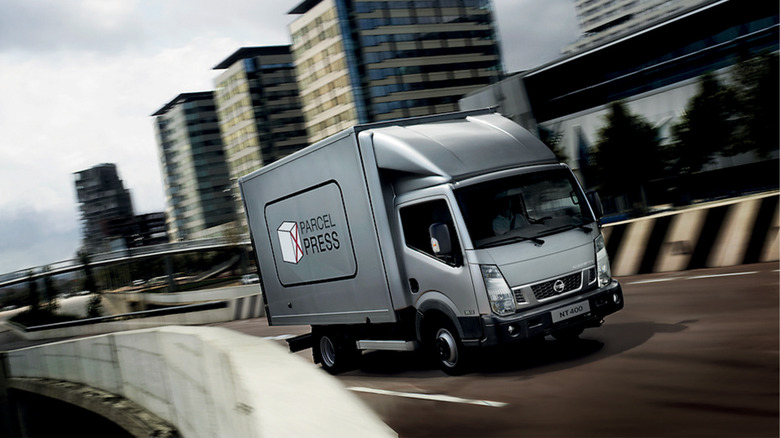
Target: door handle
(414, 285)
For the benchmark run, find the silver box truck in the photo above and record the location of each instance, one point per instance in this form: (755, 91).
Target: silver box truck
(444, 232)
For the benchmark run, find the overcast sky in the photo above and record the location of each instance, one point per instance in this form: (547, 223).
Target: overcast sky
(80, 78)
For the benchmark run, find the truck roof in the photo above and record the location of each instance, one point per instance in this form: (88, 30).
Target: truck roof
(455, 148)
(441, 148)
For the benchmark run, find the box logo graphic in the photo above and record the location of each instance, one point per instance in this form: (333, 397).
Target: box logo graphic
(290, 242)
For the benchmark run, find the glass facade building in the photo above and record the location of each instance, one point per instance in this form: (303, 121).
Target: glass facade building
(602, 20)
(683, 47)
(364, 61)
(654, 72)
(193, 166)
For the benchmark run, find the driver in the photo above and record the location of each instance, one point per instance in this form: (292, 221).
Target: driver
(506, 218)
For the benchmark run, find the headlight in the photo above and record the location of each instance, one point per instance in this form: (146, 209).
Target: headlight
(502, 300)
(602, 262)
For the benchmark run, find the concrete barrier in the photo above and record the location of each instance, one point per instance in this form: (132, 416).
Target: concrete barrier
(205, 381)
(189, 297)
(728, 233)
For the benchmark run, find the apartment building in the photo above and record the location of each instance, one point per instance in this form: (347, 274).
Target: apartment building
(258, 108)
(363, 61)
(192, 160)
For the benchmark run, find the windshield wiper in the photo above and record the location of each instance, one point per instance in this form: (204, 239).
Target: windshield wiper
(540, 220)
(537, 241)
(585, 228)
(582, 227)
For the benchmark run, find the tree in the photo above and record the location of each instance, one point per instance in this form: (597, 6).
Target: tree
(89, 277)
(50, 291)
(627, 154)
(757, 92)
(94, 306)
(707, 127)
(33, 297)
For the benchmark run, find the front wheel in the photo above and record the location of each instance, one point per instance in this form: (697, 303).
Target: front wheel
(448, 349)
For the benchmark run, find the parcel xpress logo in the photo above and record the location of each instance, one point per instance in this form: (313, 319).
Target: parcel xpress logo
(312, 236)
(290, 242)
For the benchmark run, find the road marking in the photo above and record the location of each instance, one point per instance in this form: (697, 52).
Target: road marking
(279, 337)
(432, 397)
(698, 277)
(657, 280)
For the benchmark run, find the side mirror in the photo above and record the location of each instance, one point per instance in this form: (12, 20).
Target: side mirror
(595, 203)
(441, 243)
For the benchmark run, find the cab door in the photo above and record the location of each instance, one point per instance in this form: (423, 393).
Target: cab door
(435, 278)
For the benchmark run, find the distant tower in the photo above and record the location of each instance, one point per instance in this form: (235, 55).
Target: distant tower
(197, 183)
(105, 204)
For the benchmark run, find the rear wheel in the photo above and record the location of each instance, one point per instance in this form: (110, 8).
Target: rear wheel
(334, 352)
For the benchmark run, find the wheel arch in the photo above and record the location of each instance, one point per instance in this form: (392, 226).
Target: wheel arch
(434, 307)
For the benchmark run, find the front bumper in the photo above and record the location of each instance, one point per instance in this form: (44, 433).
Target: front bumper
(538, 321)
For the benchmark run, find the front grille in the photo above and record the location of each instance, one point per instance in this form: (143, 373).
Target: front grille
(547, 289)
(591, 275)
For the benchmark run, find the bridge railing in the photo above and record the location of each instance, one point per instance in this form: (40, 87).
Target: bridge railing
(129, 254)
(173, 310)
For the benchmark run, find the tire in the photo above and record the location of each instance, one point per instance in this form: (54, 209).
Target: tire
(447, 349)
(334, 353)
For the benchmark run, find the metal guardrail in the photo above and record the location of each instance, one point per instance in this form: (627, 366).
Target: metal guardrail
(132, 315)
(129, 254)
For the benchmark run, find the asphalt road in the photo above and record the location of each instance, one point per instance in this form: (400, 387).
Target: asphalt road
(692, 354)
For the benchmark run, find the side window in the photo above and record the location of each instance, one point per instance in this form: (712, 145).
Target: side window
(417, 219)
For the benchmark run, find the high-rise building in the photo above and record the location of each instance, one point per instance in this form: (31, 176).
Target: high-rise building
(364, 61)
(258, 108)
(602, 20)
(196, 178)
(104, 202)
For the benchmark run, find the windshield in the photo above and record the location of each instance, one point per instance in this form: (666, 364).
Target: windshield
(523, 207)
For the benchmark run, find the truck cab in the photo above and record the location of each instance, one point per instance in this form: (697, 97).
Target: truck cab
(503, 257)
